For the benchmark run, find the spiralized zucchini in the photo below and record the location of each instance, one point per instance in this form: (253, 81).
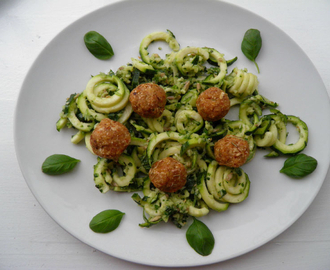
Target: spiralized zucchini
(180, 132)
(162, 123)
(107, 93)
(241, 83)
(188, 120)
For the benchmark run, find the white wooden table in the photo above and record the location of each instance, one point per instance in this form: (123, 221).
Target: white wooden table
(30, 239)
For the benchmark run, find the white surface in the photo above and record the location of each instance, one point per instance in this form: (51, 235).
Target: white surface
(30, 239)
(275, 201)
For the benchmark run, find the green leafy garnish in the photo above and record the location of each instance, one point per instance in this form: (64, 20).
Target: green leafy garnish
(106, 221)
(251, 45)
(98, 45)
(299, 166)
(58, 164)
(200, 238)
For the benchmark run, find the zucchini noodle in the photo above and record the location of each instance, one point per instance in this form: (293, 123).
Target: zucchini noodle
(189, 60)
(162, 123)
(180, 132)
(107, 93)
(232, 185)
(156, 36)
(217, 57)
(188, 121)
(242, 84)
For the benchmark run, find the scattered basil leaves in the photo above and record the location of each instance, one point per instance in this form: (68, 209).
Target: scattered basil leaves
(98, 45)
(200, 238)
(106, 221)
(58, 164)
(299, 166)
(251, 45)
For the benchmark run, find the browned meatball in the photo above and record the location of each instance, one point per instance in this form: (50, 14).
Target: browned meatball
(168, 175)
(109, 139)
(231, 151)
(213, 104)
(148, 100)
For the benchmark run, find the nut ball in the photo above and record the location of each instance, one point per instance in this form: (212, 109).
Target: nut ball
(213, 104)
(109, 139)
(148, 100)
(231, 151)
(168, 175)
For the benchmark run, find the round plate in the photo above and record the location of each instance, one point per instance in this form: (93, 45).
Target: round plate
(65, 66)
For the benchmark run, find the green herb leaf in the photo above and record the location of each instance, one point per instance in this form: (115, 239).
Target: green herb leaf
(58, 164)
(106, 221)
(200, 238)
(98, 45)
(251, 45)
(299, 166)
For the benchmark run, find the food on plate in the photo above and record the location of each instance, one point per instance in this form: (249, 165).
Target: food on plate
(58, 164)
(251, 45)
(231, 151)
(109, 139)
(168, 175)
(148, 100)
(98, 45)
(160, 127)
(213, 104)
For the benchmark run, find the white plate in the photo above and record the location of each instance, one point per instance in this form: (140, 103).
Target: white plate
(64, 66)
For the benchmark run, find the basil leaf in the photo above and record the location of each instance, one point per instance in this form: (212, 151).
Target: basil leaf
(98, 45)
(106, 221)
(299, 166)
(58, 164)
(251, 45)
(200, 238)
